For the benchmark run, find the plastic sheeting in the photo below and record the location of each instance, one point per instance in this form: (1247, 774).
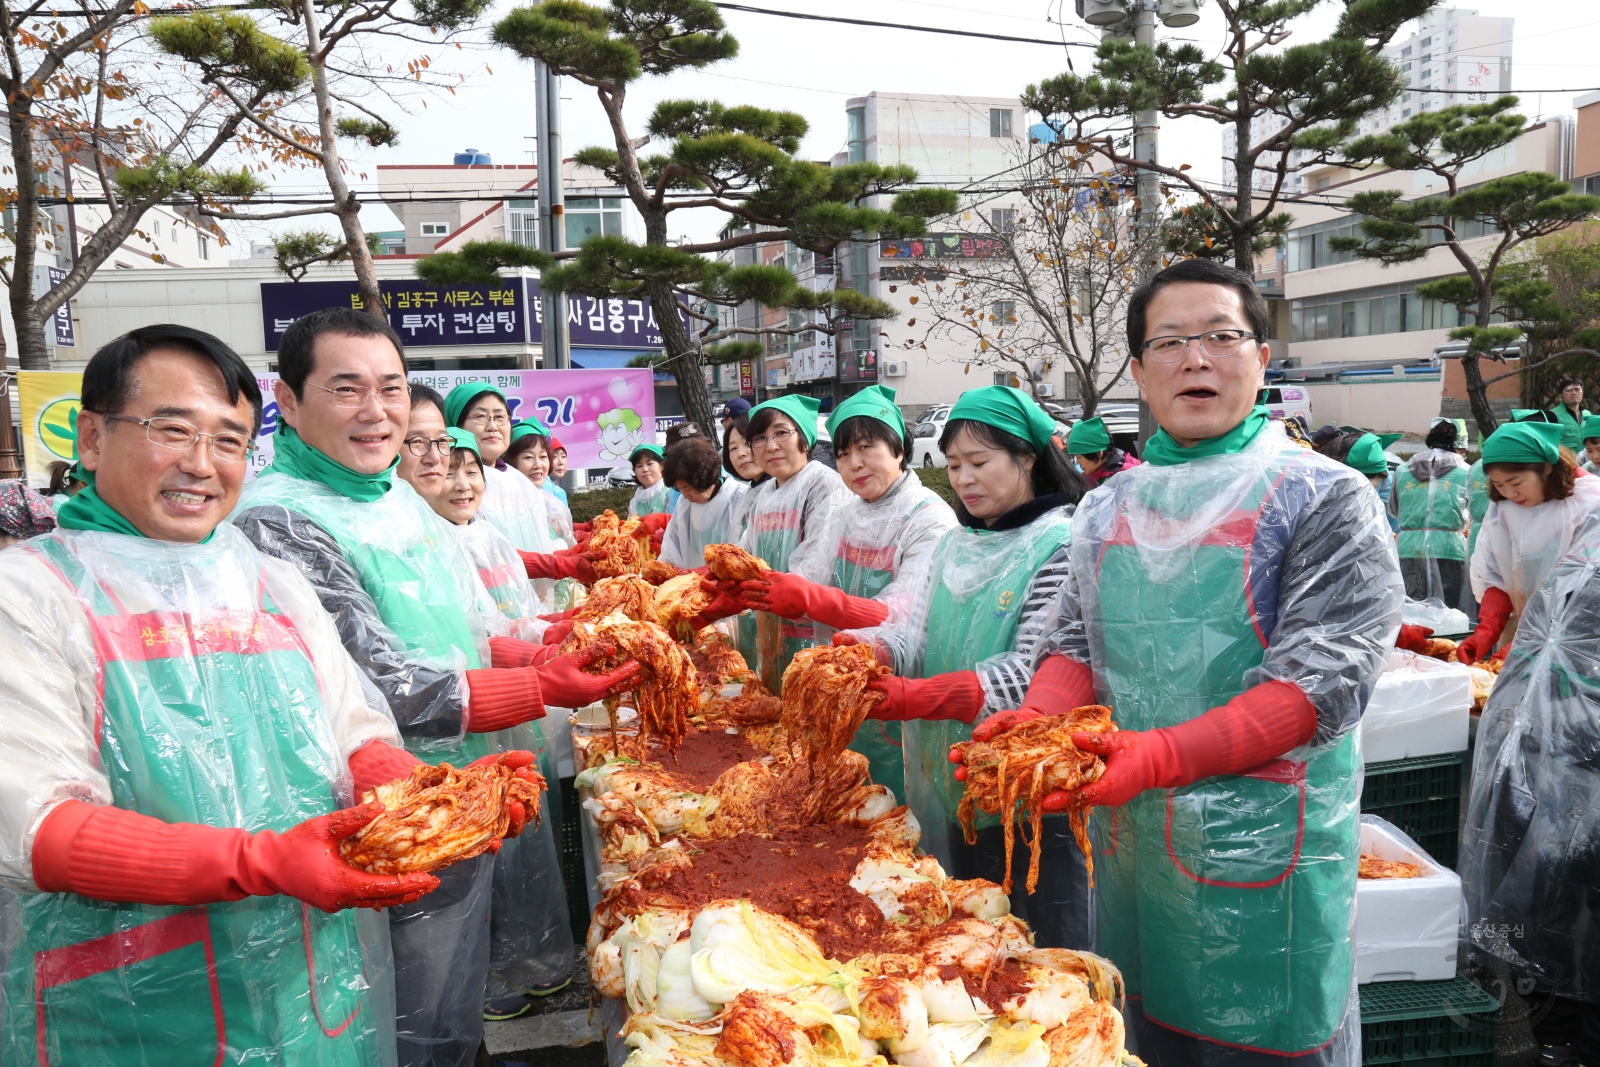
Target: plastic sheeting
(406, 598)
(441, 948)
(1191, 583)
(694, 526)
(505, 578)
(784, 521)
(1406, 928)
(515, 506)
(1530, 849)
(650, 500)
(190, 683)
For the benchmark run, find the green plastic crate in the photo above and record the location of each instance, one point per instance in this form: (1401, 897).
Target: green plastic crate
(1422, 797)
(1429, 1024)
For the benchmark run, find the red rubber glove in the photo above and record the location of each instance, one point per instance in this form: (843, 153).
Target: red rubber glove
(565, 685)
(378, 763)
(726, 600)
(509, 652)
(1493, 614)
(583, 529)
(498, 699)
(655, 523)
(562, 616)
(549, 565)
(793, 597)
(121, 856)
(557, 633)
(1253, 728)
(879, 649)
(1413, 638)
(956, 695)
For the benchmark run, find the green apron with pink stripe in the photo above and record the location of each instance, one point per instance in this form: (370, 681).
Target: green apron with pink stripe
(207, 715)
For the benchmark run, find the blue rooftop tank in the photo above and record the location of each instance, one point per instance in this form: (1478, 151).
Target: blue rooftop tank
(473, 158)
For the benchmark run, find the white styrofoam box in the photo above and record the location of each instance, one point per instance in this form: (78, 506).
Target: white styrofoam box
(1406, 928)
(1421, 706)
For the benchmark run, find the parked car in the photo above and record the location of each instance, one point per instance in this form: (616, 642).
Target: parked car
(1283, 401)
(925, 437)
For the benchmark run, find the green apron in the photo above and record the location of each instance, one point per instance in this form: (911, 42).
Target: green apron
(420, 580)
(208, 715)
(865, 572)
(981, 580)
(1432, 515)
(1227, 903)
(1477, 503)
(1571, 428)
(777, 535)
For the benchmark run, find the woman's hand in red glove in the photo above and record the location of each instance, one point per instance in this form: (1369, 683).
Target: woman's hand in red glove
(554, 566)
(1493, 614)
(564, 683)
(557, 633)
(521, 762)
(655, 523)
(1413, 638)
(956, 695)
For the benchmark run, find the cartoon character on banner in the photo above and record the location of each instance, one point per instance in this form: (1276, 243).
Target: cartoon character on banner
(621, 431)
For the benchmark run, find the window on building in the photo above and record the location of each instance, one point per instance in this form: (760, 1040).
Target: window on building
(1003, 313)
(1425, 42)
(1426, 74)
(522, 222)
(155, 228)
(1406, 113)
(999, 122)
(435, 229)
(855, 120)
(1406, 51)
(1006, 378)
(205, 246)
(1394, 308)
(592, 216)
(1003, 219)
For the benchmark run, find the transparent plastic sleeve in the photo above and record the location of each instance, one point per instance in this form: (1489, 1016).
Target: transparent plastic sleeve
(190, 683)
(1531, 838)
(404, 596)
(441, 958)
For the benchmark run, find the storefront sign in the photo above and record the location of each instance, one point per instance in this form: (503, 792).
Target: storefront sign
(420, 313)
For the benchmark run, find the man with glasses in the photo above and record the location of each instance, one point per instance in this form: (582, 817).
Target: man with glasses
(178, 724)
(1233, 601)
(412, 613)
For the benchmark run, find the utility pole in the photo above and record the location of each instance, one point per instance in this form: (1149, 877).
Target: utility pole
(1146, 124)
(552, 212)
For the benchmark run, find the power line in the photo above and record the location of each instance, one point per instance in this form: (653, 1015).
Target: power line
(904, 26)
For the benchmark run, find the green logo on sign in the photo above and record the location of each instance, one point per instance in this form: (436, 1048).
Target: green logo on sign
(58, 427)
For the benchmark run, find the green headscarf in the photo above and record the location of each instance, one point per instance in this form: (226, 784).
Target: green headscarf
(799, 407)
(1367, 456)
(527, 427)
(1006, 409)
(1088, 436)
(85, 510)
(1591, 426)
(874, 402)
(1387, 439)
(654, 450)
(460, 438)
(1523, 442)
(462, 396)
(1531, 415)
(1163, 451)
(292, 456)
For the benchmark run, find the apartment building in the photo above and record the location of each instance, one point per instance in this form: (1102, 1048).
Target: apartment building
(1453, 56)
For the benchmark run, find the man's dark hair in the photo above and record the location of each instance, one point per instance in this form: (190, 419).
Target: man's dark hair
(1208, 272)
(295, 350)
(108, 379)
(694, 461)
(1568, 380)
(864, 429)
(420, 395)
(1442, 435)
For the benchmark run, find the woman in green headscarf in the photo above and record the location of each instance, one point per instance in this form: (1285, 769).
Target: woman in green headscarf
(1431, 499)
(786, 514)
(873, 552)
(968, 646)
(1537, 508)
(1089, 445)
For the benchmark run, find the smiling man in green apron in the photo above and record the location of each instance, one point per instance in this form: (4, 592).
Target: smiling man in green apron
(410, 608)
(1233, 600)
(180, 729)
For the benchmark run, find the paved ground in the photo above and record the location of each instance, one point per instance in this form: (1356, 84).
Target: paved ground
(557, 1033)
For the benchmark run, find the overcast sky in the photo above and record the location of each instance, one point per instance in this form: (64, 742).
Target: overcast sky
(813, 67)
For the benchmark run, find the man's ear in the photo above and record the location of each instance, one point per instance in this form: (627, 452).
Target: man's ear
(1136, 368)
(288, 403)
(90, 430)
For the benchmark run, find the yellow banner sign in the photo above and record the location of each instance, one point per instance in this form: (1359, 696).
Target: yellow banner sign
(49, 400)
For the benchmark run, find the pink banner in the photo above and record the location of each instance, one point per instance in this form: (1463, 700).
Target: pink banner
(599, 415)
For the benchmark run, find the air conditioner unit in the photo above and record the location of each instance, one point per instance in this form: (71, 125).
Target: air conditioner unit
(1046, 389)
(894, 368)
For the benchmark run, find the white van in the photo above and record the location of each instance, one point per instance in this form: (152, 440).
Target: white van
(1282, 401)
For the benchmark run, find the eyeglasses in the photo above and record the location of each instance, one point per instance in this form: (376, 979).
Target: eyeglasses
(421, 446)
(777, 437)
(180, 436)
(482, 418)
(1217, 343)
(356, 396)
